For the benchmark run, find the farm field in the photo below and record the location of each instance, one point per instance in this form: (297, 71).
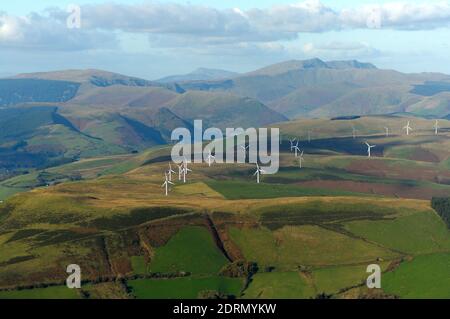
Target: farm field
(426, 276)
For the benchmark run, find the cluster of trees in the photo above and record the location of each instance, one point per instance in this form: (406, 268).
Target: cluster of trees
(442, 207)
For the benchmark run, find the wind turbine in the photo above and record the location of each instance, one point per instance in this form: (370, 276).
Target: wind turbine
(296, 149)
(180, 171)
(387, 131)
(185, 165)
(245, 148)
(185, 170)
(292, 143)
(166, 184)
(259, 171)
(369, 147)
(436, 127)
(301, 159)
(210, 158)
(170, 171)
(309, 136)
(407, 128)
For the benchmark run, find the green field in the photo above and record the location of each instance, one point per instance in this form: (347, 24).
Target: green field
(57, 292)
(422, 232)
(248, 190)
(192, 250)
(184, 288)
(279, 285)
(294, 246)
(426, 276)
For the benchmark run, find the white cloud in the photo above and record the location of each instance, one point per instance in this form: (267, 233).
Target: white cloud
(40, 32)
(172, 25)
(340, 50)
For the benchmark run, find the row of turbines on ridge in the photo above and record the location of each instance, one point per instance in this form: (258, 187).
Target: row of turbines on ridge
(183, 169)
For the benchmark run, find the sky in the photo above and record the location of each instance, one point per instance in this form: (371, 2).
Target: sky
(153, 39)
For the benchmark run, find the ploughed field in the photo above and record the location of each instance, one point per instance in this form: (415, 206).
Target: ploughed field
(302, 233)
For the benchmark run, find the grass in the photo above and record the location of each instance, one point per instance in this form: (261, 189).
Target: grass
(293, 246)
(192, 250)
(318, 212)
(279, 285)
(248, 190)
(183, 288)
(139, 265)
(416, 233)
(57, 292)
(426, 276)
(331, 280)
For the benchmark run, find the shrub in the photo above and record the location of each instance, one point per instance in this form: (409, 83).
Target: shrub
(442, 207)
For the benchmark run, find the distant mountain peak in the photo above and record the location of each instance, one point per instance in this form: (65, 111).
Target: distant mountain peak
(314, 63)
(200, 74)
(353, 64)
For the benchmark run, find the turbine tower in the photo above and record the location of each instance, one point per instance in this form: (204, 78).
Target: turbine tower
(354, 131)
(211, 158)
(407, 128)
(166, 184)
(301, 159)
(436, 127)
(180, 171)
(296, 149)
(387, 131)
(170, 172)
(369, 147)
(259, 171)
(185, 170)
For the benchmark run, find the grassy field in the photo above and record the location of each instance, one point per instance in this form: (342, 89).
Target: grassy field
(58, 292)
(184, 288)
(247, 190)
(415, 233)
(313, 246)
(426, 276)
(279, 285)
(191, 250)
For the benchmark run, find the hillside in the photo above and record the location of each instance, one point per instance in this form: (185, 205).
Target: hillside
(221, 229)
(200, 74)
(317, 88)
(113, 113)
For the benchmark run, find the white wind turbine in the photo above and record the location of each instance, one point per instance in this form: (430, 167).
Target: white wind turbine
(369, 147)
(211, 158)
(407, 128)
(387, 131)
(166, 184)
(170, 172)
(185, 170)
(436, 127)
(301, 159)
(296, 149)
(292, 143)
(180, 171)
(309, 136)
(259, 171)
(245, 148)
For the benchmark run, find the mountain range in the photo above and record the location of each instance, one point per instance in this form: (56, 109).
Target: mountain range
(200, 74)
(64, 115)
